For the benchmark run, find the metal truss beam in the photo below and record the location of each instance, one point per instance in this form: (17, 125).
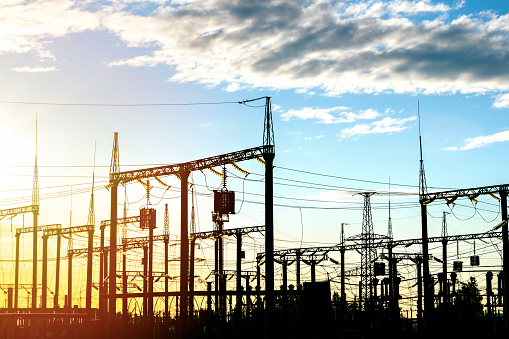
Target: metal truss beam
(468, 192)
(382, 243)
(19, 210)
(22, 286)
(195, 165)
(39, 228)
(121, 221)
(144, 240)
(68, 230)
(130, 243)
(228, 232)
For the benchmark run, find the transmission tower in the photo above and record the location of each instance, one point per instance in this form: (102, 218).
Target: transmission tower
(368, 252)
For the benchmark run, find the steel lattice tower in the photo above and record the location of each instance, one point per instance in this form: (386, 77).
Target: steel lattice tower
(368, 253)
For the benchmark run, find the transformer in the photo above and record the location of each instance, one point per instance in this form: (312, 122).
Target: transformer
(457, 266)
(147, 218)
(474, 260)
(224, 202)
(379, 268)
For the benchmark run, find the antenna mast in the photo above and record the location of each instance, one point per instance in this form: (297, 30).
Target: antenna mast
(389, 226)
(423, 188)
(91, 211)
(268, 131)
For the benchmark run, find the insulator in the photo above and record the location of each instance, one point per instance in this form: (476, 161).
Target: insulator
(161, 182)
(240, 169)
(216, 172)
(224, 177)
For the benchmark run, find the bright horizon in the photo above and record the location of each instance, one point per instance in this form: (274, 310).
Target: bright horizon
(345, 80)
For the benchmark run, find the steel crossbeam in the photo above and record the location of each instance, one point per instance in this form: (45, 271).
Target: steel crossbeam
(468, 192)
(195, 165)
(228, 232)
(39, 228)
(121, 221)
(19, 210)
(382, 243)
(68, 230)
(130, 243)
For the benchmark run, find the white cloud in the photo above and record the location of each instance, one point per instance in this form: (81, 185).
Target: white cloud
(333, 115)
(326, 46)
(386, 125)
(502, 101)
(481, 141)
(30, 25)
(28, 69)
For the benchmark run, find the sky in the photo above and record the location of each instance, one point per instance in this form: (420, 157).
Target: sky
(348, 81)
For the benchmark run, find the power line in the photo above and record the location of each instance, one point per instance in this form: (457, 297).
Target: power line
(121, 105)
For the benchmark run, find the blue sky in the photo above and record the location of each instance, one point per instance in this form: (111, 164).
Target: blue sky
(345, 79)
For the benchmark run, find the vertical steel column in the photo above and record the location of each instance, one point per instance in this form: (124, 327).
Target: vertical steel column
(191, 279)
(489, 292)
(145, 283)
(34, 270)
(44, 290)
(216, 273)
(239, 273)
(112, 300)
(419, 296)
(88, 300)
(69, 282)
(269, 245)
(16, 273)
(125, 313)
(184, 255)
(285, 275)
(102, 265)
(258, 281)
(57, 276)
(391, 282)
(297, 273)
(166, 279)
(343, 293)
(220, 260)
(444, 272)
(505, 242)
(209, 296)
(428, 295)
(313, 267)
(150, 274)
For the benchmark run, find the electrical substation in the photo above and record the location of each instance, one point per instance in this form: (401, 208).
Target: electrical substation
(155, 285)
